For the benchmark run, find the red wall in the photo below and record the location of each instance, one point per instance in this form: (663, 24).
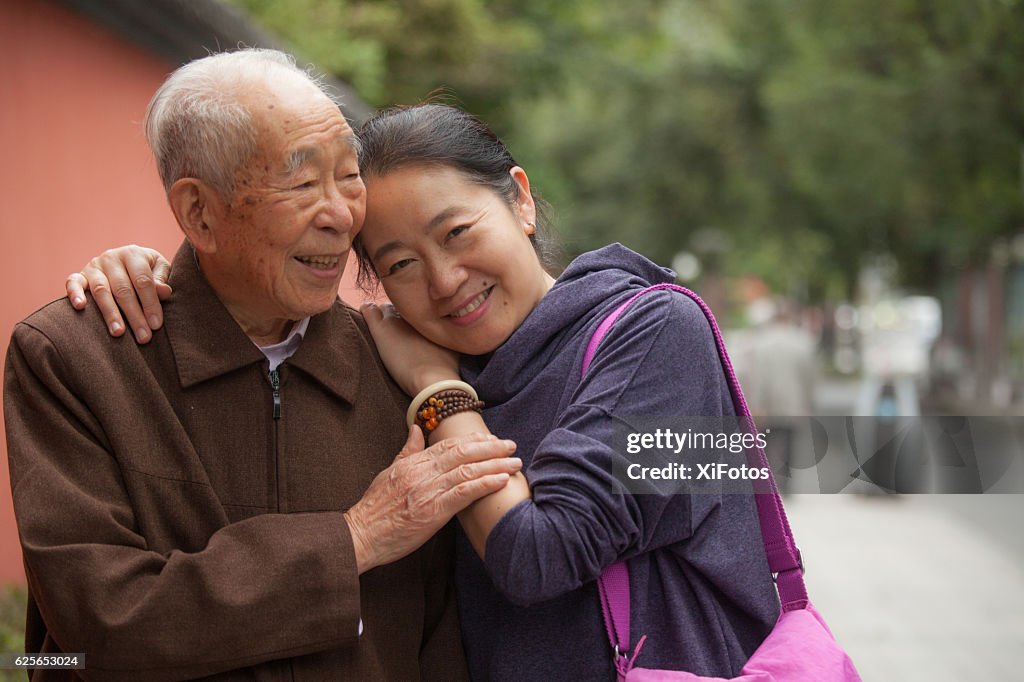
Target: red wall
(75, 174)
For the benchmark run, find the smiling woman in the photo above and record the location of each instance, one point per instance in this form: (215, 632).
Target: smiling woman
(451, 233)
(454, 255)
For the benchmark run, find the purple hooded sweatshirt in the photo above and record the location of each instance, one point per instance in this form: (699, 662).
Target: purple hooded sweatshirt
(699, 582)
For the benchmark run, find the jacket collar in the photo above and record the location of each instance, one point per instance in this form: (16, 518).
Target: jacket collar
(330, 352)
(207, 342)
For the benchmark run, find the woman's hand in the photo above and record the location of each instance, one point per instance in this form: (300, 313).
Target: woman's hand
(413, 361)
(129, 279)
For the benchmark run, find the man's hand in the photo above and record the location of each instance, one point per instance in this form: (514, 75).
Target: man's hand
(422, 489)
(129, 279)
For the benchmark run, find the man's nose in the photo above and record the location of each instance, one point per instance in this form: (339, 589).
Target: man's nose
(342, 207)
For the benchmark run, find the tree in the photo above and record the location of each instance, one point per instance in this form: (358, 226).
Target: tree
(814, 134)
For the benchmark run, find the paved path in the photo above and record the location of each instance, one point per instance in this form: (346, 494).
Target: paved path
(926, 587)
(922, 588)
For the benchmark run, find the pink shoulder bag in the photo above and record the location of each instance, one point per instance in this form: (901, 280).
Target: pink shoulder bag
(800, 648)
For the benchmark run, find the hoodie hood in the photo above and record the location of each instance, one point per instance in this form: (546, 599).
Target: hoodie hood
(591, 286)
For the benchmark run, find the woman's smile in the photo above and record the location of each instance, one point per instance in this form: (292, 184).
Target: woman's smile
(474, 310)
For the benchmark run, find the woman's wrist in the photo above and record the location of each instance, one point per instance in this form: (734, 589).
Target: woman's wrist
(458, 425)
(430, 377)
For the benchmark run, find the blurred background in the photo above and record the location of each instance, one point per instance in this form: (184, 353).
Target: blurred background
(842, 181)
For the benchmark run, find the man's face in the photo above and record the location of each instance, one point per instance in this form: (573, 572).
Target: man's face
(283, 238)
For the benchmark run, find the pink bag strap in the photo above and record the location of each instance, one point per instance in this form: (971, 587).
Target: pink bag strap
(780, 547)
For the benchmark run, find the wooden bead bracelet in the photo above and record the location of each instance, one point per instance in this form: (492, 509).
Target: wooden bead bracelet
(441, 400)
(444, 404)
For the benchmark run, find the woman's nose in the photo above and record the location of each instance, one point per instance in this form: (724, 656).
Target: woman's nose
(446, 276)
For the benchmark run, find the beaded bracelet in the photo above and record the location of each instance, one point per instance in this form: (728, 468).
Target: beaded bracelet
(436, 387)
(444, 404)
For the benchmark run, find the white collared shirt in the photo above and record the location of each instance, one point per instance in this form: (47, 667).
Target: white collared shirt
(282, 350)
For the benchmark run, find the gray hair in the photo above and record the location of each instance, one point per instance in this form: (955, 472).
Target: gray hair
(196, 125)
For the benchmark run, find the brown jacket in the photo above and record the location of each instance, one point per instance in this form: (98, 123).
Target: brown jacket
(173, 528)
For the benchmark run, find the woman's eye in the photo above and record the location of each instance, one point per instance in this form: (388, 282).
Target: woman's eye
(456, 231)
(309, 184)
(399, 265)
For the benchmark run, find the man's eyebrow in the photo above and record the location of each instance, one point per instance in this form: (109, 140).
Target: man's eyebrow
(300, 156)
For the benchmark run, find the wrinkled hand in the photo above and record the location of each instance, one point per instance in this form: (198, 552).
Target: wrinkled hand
(129, 279)
(413, 361)
(422, 489)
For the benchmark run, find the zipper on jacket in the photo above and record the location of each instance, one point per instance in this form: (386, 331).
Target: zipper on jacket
(275, 383)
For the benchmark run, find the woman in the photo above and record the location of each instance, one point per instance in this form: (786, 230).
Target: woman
(451, 234)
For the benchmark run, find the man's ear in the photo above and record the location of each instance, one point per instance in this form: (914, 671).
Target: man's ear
(196, 205)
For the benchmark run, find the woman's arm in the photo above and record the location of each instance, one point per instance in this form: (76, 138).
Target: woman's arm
(479, 518)
(129, 279)
(544, 539)
(659, 359)
(416, 363)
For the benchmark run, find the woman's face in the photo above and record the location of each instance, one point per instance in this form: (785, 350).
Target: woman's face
(454, 258)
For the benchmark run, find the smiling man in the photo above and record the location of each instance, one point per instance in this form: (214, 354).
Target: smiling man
(225, 500)
(294, 209)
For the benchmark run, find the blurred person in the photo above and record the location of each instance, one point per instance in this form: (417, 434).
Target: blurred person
(778, 369)
(226, 501)
(453, 232)
(946, 367)
(897, 342)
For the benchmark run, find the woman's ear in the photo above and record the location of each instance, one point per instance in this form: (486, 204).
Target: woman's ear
(196, 206)
(524, 202)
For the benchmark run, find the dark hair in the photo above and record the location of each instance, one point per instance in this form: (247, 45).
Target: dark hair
(442, 135)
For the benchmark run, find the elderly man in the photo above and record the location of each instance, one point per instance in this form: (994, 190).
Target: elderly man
(226, 500)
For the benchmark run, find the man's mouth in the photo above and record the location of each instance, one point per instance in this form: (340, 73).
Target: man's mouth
(319, 262)
(472, 305)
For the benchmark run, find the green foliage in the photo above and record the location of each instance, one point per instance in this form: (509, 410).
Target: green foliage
(813, 135)
(12, 626)
(400, 51)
